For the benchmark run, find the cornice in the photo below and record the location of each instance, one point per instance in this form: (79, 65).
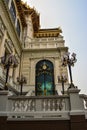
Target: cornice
(53, 32)
(43, 57)
(46, 49)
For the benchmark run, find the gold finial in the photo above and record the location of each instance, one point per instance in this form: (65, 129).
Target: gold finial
(60, 29)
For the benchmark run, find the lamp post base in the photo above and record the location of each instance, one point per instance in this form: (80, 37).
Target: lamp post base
(72, 86)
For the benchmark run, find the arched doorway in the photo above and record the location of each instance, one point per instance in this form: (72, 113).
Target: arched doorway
(44, 78)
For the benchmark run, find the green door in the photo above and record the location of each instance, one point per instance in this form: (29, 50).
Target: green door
(44, 78)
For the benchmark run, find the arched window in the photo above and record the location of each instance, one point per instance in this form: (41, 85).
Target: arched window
(44, 78)
(18, 27)
(13, 11)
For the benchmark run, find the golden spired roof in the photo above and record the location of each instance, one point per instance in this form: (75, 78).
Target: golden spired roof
(24, 10)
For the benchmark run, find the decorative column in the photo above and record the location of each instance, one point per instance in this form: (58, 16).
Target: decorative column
(2, 47)
(11, 74)
(76, 102)
(4, 109)
(56, 73)
(29, 33)
(3, 102)
(27, 39)
(2, 51)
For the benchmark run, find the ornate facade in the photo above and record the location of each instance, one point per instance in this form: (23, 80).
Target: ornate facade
(37, 53)
(21, 35)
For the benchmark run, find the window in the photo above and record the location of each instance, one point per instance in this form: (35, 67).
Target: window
(13, 11)
(44, 78)
(18, 28)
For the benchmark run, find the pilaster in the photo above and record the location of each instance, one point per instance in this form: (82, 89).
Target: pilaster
(77, 115)
(2, 47)
(3, 102)
(76, 102)
(29, 32)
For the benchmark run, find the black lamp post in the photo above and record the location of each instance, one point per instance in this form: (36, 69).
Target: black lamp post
(62, 79)
(21, 80)
(67, 60)
(7, 62)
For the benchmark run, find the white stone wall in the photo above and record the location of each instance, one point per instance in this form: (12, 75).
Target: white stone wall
(34, 49)
(9, 41)
(28, 32)
(32, 57)
(36, 43)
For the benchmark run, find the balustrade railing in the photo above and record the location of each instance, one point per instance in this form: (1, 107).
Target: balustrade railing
(84, 97)
(27, 104)
(47, 39)
(85, 103)
(45, 45)
(43, 107)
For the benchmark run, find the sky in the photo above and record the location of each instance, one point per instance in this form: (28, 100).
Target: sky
(71, 16)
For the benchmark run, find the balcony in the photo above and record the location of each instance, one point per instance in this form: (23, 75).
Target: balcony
(40, 43)
(38, 107)
(57, 107)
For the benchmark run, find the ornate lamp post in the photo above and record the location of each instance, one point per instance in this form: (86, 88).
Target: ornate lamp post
(67, 60)
(7, 62)
(62, 79)
(21, 80)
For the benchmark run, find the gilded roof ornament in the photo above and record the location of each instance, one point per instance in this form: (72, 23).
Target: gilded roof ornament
(60, 29)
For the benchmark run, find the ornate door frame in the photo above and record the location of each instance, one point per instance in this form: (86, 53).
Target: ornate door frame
(44, 84)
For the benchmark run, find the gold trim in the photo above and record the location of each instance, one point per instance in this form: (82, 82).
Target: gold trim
(48, 32)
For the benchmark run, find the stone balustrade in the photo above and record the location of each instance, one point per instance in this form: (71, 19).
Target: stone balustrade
(45, 45)
(84, 97)
(37, 43)
(27, 104)
(47, 39)
(43, 107)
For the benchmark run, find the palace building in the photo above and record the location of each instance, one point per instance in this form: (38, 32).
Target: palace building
(31, 94)
(34, 49)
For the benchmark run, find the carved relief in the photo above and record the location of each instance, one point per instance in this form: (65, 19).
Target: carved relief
(45, 105)
(23, 105)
